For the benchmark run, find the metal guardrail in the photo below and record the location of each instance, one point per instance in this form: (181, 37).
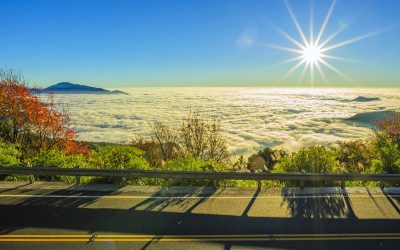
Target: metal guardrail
(128, 173)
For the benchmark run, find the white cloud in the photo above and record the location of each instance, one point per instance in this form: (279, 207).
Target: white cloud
(252, 118)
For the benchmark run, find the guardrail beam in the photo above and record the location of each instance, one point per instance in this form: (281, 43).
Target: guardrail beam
(214, 176)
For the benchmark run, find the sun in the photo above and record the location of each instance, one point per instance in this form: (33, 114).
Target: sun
(314, 52)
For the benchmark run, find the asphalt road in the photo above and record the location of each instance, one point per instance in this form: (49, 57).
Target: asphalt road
(58, 216)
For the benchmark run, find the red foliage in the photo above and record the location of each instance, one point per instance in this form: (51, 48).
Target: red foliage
(73, 147)
(25, 118)
(391, 126)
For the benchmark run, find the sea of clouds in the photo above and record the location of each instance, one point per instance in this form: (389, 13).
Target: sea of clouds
(252, 118)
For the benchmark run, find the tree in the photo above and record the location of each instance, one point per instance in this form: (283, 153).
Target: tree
(193, 135)
(161, 146)
(150, 149)
(166, 140)
(354, 156)
(388, 153)
(391, 126)
(202, 138)
(32, 122)
(198, 137)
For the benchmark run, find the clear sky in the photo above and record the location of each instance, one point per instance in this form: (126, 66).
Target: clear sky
(192, 42)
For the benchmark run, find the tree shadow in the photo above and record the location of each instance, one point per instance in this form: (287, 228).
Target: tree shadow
(328, 213)
(69, 197)
(111, 220)
(173, 196)
(311, 206)
(376, 203)
(394, 201)
(15, 188)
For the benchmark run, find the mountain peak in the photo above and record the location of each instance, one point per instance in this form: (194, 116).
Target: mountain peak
(73, 88)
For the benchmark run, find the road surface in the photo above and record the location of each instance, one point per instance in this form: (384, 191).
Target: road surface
(61, 216)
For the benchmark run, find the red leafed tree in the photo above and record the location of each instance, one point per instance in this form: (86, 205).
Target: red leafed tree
(33, 122)
(391, 126)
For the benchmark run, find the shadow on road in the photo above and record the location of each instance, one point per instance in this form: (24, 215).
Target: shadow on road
(331, 205)
(394, 201)
(15, 188)
(168, 197)
(155, 222)
(331, 213)
(251, 203)
(60, 198)
(65, 198)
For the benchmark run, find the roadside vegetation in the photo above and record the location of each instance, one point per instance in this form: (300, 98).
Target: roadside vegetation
(36, 132)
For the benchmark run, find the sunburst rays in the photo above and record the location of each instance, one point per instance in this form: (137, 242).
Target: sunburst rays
(313, 52)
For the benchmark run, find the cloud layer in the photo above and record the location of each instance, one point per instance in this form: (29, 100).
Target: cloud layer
(252, 118)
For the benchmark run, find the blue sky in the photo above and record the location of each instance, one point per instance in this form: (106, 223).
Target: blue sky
(186, 43)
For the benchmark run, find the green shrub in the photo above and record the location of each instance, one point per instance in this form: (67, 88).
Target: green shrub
(190, 163)
(388, 155)
(52, 158)
(56, 158)
(355, 156)
(9, 155)
(118, 157)
(317, 159)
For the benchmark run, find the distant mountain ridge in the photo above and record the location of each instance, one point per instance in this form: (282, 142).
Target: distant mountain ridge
(370, 118)
(72, 88)
(365, 99)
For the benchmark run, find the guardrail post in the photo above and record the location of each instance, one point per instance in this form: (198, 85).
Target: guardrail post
(214, 183)
(259, 184)
(77, 178)
(31, 177)
(302, 181)
(123, 181)
(382, 183)
(343, 185)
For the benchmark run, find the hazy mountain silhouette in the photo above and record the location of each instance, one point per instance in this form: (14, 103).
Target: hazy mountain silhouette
(365, 99)
(72, 88)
